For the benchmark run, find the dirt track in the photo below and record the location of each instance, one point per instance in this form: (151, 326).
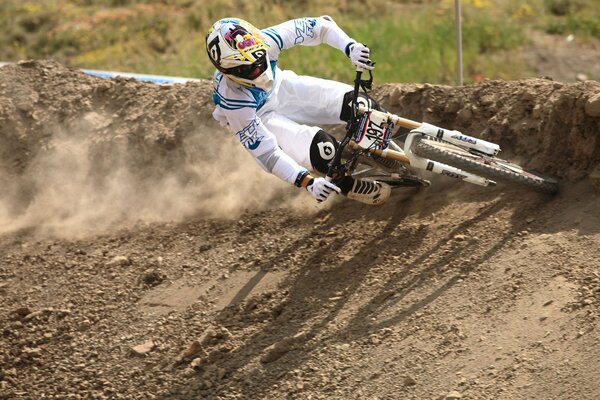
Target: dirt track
(452, 292)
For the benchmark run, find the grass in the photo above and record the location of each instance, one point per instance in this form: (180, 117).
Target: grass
(586, 26)
(412, 41)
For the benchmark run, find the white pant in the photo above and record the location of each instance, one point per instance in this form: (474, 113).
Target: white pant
(300, 102)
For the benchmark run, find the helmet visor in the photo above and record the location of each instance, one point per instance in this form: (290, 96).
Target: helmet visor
(250, 71)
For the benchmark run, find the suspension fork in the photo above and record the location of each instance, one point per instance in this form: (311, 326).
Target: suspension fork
(336, 169)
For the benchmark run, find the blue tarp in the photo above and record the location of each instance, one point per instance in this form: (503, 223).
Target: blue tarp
(141, 77)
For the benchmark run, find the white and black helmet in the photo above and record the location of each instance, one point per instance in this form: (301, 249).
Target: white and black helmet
(239, 51)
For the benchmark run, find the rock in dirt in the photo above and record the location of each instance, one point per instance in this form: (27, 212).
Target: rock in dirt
(453, 395)
(409, 381)
(213, 336)
(144, 348)
(153, 277)
(194, 350)
(277, 350)
(20, 313)
(32, 352)
(119, 261)
(33, 315)
(592, 106)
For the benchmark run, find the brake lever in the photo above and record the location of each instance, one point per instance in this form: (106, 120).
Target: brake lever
(335, 172)
(368, 83)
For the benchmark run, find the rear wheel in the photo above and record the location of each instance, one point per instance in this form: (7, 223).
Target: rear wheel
(487, 166)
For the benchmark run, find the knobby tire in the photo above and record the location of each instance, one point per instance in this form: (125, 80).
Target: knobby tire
(489, 167)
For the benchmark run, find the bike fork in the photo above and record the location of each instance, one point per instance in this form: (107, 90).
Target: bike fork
(440, 168)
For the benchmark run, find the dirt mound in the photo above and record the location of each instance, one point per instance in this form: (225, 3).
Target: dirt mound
(452, 292)
(549, 126)
(135, 150)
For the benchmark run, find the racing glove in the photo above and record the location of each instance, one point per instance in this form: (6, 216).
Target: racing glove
(359, 54)
(320, 188)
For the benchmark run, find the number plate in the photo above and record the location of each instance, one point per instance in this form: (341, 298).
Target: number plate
(374, 130)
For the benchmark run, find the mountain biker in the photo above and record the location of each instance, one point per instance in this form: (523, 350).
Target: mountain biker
(273, 111)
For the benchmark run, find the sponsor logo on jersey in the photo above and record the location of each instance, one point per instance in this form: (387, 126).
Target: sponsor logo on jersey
(304, 28)
(249, 136)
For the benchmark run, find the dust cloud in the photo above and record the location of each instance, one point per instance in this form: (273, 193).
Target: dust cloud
(80, 155)
(75, 187)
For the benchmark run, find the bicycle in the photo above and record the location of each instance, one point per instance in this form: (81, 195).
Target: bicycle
(372, 149)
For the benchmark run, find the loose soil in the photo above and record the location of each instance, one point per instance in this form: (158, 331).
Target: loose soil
(144, 255)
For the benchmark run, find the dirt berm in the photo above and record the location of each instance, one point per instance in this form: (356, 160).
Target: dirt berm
(144, 255)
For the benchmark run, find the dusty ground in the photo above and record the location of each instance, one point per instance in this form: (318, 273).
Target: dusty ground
(451, 292)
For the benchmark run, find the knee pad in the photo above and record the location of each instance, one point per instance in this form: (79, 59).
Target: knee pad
(362, 99)
(322, 151)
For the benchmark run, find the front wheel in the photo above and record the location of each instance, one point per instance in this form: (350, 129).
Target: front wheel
(487, 166)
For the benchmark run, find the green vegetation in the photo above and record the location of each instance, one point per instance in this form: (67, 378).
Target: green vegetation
(412, 41)
(586, 25)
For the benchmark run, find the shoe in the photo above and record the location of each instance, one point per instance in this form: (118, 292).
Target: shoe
(369, 192)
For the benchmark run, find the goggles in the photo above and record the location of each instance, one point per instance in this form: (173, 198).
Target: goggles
(250, 71)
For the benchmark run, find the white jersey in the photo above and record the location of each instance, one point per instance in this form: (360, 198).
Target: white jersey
(241, 107)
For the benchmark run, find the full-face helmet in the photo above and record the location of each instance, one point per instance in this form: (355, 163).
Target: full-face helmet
(239, 51)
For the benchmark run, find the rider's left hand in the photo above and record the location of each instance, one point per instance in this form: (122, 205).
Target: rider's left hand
(359, 54)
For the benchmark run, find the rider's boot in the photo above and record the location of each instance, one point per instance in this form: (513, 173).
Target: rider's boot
(370, 192)
(365, 191)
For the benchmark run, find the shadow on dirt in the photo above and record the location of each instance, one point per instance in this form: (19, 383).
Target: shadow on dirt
(342, 254)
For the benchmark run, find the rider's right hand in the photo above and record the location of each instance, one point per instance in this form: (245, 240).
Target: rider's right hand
(320, 188)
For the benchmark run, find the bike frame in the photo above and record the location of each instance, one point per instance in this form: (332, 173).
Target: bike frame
(418, 131)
